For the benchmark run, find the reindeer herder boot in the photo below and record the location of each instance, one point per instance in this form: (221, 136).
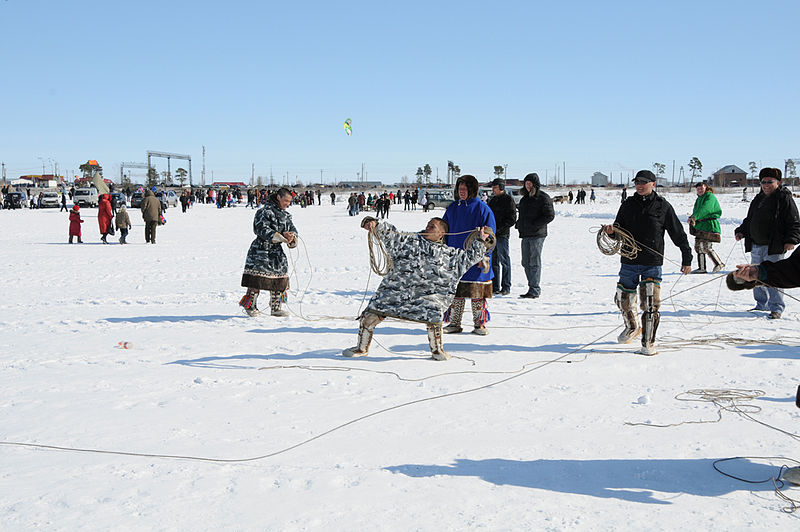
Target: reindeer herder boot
(718, 264)
(456, 310)
(479, 317)
(368, 323)
(248, 302)
(435, 341)
(701, 263)
(275, 299)
(650, 295)
(626, 302)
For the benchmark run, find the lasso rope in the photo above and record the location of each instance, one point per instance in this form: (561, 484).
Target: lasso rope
(620, 241)
(381, 263)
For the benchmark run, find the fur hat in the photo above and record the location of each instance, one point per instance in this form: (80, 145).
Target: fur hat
(770, 172)
(498, 182)
(647, 175)
(76, 208)
(471, 183)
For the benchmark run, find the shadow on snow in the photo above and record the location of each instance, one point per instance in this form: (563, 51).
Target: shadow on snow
(627, 480)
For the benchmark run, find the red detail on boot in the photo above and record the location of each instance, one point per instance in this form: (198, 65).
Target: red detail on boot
(246, 301)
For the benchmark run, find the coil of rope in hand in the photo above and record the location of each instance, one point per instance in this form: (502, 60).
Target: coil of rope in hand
(379, 260)
(619, 241)
(381, 263)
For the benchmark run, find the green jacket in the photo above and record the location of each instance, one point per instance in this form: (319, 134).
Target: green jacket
(706, 213)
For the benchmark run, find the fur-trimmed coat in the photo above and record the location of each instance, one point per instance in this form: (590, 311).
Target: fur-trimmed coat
(463, 216)
(423, 280)
(265, 258)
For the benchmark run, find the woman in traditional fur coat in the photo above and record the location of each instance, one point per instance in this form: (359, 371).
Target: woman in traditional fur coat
(420, 284)
(704, 225)
(466, 213)
(266, 267)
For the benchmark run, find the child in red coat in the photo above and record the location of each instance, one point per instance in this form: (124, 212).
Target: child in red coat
(75, 224)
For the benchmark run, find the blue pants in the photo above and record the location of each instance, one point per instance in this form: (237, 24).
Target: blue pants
(501, 258)
(767, 298)
(532, 262)
(630, 275)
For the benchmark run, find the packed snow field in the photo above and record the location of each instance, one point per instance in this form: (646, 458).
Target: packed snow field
(526, 428)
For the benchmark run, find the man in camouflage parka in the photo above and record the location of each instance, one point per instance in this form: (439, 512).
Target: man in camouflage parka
(421, 283)
(266, 266)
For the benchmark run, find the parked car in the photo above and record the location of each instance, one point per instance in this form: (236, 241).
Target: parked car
(50, 198)
(136, 200)
(86, 197)
(439, 197)
(16, 200)
(120, 198)
(168, 198)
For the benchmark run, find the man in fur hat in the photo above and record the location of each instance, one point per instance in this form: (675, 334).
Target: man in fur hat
(421, 283)
(466, 213)
(771, 228)
(646, 216)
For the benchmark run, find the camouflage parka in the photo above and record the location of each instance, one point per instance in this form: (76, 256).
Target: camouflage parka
(423, 280)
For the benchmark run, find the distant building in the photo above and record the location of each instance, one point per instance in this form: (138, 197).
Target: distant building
(599, 180)
(229, 184)
(729, 176)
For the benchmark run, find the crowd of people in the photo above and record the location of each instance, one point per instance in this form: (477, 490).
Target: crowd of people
(440, 268)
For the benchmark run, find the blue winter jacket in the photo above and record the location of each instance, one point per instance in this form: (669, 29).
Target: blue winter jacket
(462, 216)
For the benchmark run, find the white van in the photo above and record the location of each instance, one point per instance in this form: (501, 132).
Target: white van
(86, 197)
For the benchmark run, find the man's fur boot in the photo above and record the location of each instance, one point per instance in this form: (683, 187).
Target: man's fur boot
(626, 302)
(368, 323)
(650, 295)
(435, 341)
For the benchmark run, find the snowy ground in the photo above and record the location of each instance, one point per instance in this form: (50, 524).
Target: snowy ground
(546, 448)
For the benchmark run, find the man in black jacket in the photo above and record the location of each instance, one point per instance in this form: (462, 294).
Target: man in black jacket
(535, 212)
(646, 216)
(771, 228)
(505, 214)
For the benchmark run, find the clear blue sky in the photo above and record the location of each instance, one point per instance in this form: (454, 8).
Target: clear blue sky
(601, 86)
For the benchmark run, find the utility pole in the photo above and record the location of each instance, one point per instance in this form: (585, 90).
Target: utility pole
(4, 172)
(320, 176)
(363, 177)
(673, 172)
(505, 172)
(252, 173)
(203, 172)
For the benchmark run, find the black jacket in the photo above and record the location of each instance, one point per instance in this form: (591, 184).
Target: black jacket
(646, 218)
(535, 212)
(505, 213)
(785, 228)
(782, 274)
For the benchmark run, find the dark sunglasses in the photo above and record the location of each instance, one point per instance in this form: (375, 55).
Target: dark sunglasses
(768, 181)
(643, 181)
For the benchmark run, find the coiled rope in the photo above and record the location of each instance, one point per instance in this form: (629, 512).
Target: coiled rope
(619, 242)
